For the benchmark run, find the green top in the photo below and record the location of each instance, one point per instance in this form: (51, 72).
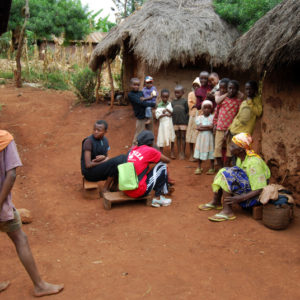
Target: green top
(257, 171)
(245, 120)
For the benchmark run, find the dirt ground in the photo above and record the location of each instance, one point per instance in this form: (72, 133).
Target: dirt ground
(132, 251)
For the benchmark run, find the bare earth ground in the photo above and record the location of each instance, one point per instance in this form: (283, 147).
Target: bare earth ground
(131, 251)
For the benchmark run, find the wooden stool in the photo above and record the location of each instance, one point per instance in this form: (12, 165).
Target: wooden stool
(115, 197)
(90, 189)
(89, 185)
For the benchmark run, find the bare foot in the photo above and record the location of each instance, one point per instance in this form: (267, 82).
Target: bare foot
(147, 121)
(4, 285)
(192, 159)
(173, 156)
(47, 289)
(181, 156)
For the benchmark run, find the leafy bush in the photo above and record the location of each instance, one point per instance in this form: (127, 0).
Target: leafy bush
(84, 82)
(243, 13)
(6, 74)
(56, 81)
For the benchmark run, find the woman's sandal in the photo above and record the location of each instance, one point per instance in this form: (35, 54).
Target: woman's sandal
(209, 206)
(211, 172)
(221, 217)
(198, 171)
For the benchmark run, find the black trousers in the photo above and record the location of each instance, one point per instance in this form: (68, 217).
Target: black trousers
(105, 170)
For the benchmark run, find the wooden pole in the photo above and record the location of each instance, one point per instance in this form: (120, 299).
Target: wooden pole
(17, 72)
(98, 84)
(112, 89)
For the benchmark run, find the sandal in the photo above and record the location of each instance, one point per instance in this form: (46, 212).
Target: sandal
(198, 171)
(209, 206)
(221, 217)
(211, 172)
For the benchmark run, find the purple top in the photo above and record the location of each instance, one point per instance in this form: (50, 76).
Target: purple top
(147, 93)
(9, 159)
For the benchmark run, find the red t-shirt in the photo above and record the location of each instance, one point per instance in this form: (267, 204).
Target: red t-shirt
(141, 156)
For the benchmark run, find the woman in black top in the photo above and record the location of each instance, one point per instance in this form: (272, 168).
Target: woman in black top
(95, 164)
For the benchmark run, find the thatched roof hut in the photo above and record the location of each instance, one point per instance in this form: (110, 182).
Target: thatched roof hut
(272, 42)
(273, 45)
(4, 15)
(169, 31)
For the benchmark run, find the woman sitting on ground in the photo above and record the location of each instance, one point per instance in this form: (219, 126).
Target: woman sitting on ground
(95, 164)
(157, 179)
(241, 184)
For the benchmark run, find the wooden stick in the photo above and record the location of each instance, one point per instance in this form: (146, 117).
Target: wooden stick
(112, 89)
(98, 84)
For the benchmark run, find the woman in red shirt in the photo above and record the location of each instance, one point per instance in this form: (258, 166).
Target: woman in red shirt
(157, 179)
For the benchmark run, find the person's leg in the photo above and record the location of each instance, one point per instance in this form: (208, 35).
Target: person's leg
(139, 127)
(4, 285)
(199, 170)
(212, 164)
(41, 288)
(183, 144)
(228, 161)
(227, 209)
(218, 147)
(178, 141)
(220, 162)
(191, 152)
(173, 156)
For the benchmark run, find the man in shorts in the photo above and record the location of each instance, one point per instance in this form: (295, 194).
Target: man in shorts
(10, 221)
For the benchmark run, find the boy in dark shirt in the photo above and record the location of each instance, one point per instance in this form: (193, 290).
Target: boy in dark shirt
(180, 120)
(139, 108)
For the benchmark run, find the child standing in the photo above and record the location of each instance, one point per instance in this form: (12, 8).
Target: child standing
(202, 91)
(166, 134)
(192, 132)
(225, 113)
(180, 120)
(149, 95)
(204, 148)
(10, 221)
(250, 109)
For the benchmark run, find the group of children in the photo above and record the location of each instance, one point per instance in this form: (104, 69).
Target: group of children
(214, 111)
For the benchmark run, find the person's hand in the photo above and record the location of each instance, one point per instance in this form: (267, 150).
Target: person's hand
(142, 98)
(99, 158)
(164, 111)
(233, 199)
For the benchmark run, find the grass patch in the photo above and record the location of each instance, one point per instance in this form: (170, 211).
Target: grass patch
(2, 81)
(6, 74)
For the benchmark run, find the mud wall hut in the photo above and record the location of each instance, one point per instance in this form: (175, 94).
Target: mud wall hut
(171, 40)
(273, 45)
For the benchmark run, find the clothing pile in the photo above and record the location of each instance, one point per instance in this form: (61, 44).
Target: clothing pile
(276, 194)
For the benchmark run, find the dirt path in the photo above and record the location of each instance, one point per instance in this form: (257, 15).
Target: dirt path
(131, 251)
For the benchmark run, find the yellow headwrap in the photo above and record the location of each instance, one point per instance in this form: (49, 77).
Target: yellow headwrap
(244, 140)
(5, 139)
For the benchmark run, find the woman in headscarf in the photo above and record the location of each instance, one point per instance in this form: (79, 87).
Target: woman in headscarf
(240, 184)
(142, 156)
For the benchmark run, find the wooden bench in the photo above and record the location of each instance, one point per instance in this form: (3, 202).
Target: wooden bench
(89, 185)
(116, 197)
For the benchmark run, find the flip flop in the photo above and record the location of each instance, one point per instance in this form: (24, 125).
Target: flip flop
(198, 171)
(211, 172)
(209, 206)
(221, 217)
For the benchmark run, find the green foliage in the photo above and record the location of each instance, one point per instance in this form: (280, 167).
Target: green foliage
(48, 17)
(5, 39)
(130, 6)
(243, 13)
(6, 74)
(84, 82)
(102, 24)
(2, 82)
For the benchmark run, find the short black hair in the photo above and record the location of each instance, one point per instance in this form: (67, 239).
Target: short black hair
(134, 79)
(179, 87)
(235, 83)
(102, 122)
(253, 84)
(214, 74)
(225, 80)
(164, 91)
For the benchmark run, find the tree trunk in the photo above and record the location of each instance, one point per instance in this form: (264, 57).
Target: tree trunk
(17, 72)
(112, 89)
(98, 84)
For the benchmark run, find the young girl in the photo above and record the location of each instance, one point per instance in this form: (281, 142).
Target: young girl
(204, 148)
(192, 132)
(166, 133)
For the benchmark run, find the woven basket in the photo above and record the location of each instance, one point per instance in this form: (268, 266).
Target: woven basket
(277, 217)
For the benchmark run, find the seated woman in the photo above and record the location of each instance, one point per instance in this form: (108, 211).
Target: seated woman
(241, 184)
(157, 179)
(95, 164)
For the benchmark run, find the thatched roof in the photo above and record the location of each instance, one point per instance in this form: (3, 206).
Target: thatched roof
(4, 14)
(170, 30)
(274, 40)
